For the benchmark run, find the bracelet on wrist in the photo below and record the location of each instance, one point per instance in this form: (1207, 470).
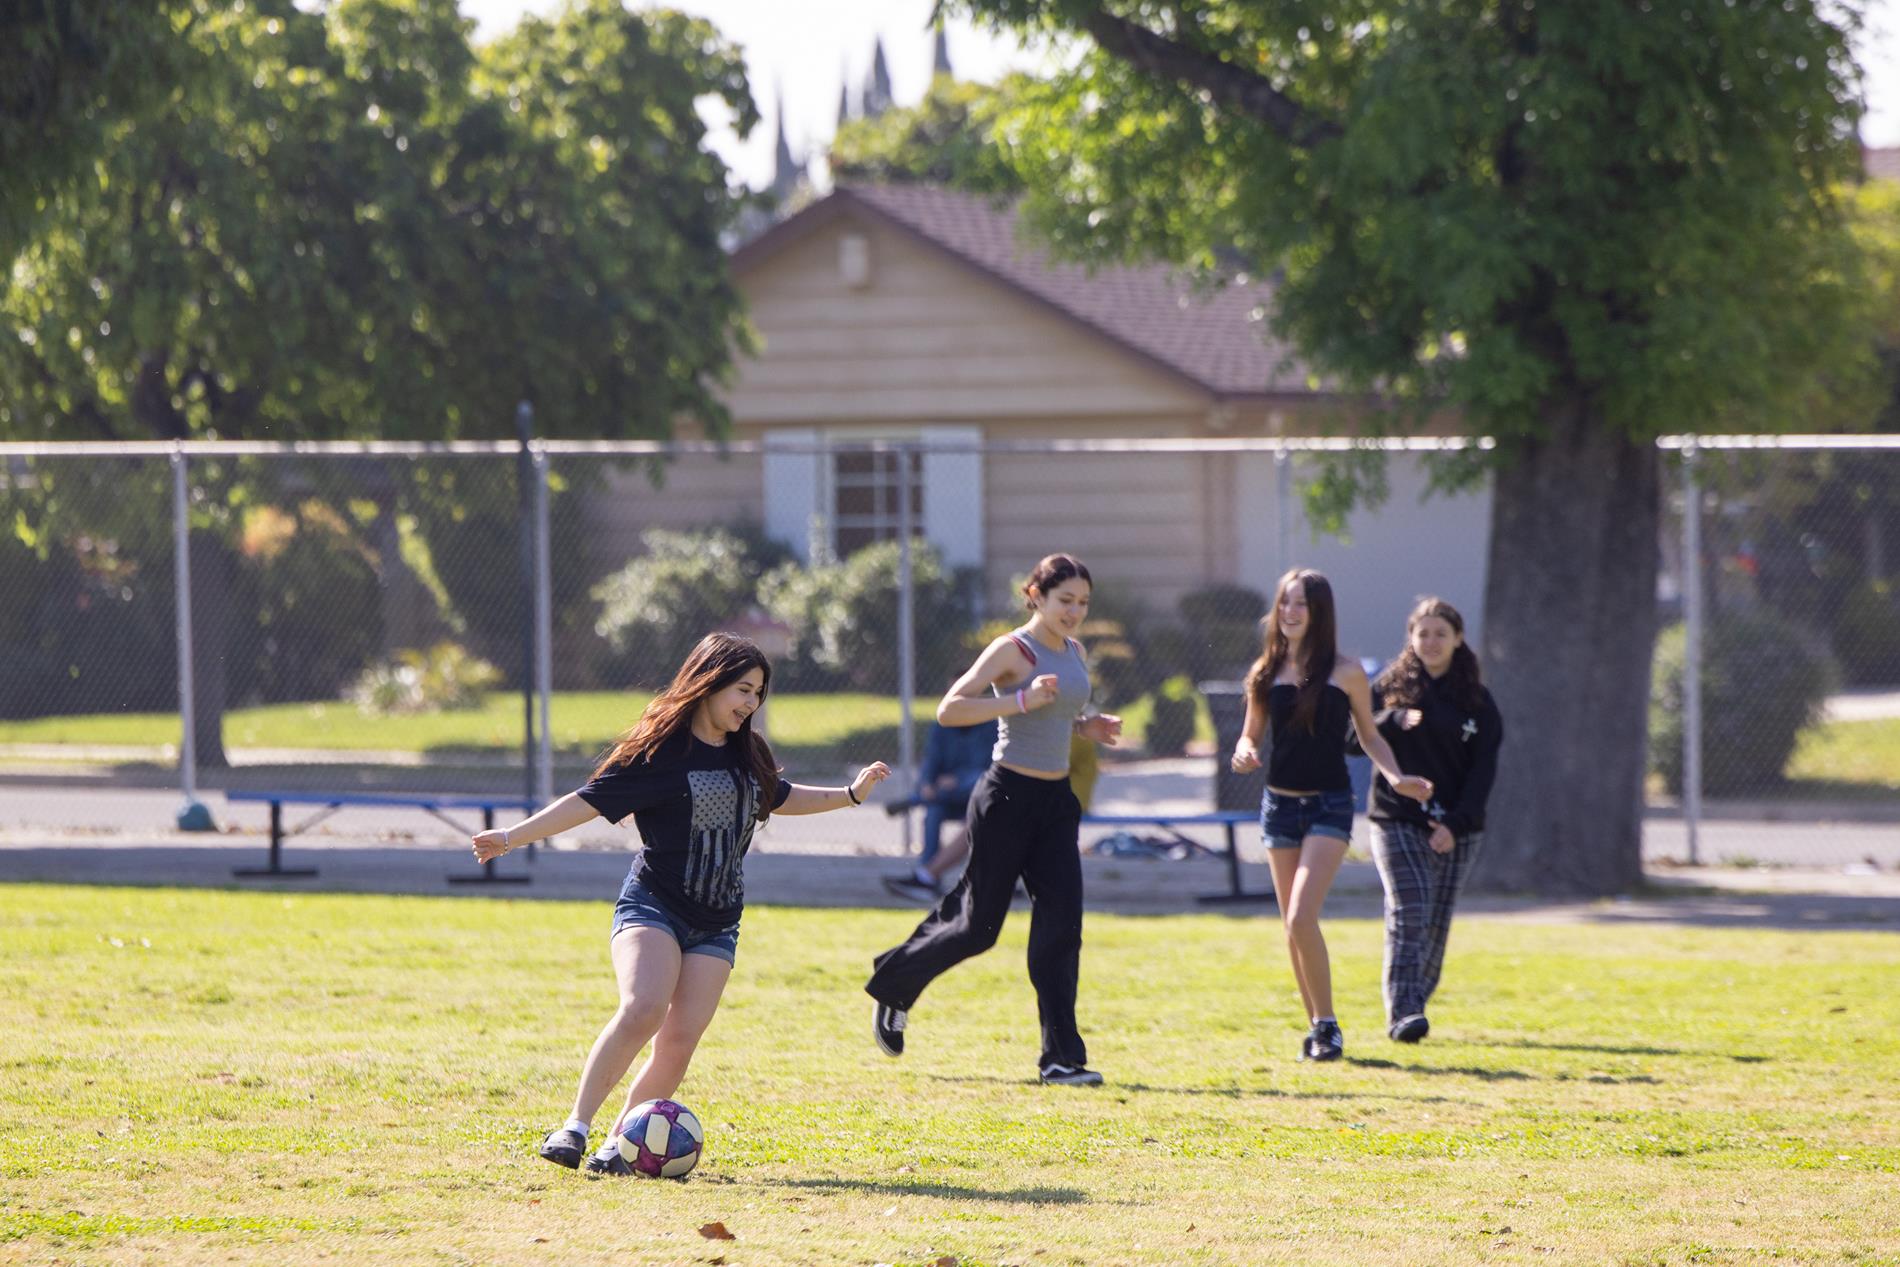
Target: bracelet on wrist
(1022, 705)
(506, 844)
(851, 793)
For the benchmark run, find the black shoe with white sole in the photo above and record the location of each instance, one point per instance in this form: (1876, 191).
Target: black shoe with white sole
(607, 1161)
(1324, 1042)
(1410, 1029)
(1057, 1075)
(911, 889)
(887, 1026)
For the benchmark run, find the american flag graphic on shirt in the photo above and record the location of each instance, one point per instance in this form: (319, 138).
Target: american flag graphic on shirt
(725, 807)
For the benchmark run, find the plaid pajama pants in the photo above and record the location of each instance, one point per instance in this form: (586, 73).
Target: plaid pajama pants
(1421, 887)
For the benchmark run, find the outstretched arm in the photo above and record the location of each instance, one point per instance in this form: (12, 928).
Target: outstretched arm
(568, 812)
(1359, 691)
(803, 799)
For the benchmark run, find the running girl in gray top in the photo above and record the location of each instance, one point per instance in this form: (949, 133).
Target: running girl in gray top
(1023, 823)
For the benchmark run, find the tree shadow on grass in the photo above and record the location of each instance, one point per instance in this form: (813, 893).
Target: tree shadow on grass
(948, 1191)
(1461, 1071)
(1115, 1088)
(1605, 1049)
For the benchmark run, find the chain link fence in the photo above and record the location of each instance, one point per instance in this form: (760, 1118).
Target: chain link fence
(477, 616)
(1776, 687)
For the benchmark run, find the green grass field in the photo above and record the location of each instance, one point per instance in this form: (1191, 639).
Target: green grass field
(212, 1077)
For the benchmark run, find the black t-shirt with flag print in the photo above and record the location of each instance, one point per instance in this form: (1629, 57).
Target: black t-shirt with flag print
(696, 807)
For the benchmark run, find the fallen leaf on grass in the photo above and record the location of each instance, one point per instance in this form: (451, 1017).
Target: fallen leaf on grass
(947, 1260)
(716, 1232)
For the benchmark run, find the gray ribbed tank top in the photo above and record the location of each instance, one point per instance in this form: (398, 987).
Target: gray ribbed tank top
(1039, 738)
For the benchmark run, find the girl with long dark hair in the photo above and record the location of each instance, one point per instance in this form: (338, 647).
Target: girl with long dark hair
(697, 779)
(1438, 719)
(1306, 695)
(1023, 823)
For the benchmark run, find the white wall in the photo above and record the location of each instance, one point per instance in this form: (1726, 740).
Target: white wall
(1411, 545)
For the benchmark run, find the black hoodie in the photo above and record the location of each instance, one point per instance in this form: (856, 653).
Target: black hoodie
(1456, 748)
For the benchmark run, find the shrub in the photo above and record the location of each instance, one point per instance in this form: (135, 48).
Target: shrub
(1762, 682)
(1171, 724)
(1222, 630)
(1867, 634)
(684, 586)
(444, 677)
(843, 618)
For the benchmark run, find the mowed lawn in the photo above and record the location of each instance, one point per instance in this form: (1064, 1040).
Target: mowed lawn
(193, 1076)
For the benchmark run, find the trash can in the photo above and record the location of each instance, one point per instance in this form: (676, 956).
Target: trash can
(1227, 707)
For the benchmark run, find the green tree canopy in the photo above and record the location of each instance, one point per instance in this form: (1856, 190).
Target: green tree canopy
(357, 225)
(69, 70)
(1579, 225)
(948, 138)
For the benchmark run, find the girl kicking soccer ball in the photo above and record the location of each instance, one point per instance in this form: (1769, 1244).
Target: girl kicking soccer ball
(697, 779)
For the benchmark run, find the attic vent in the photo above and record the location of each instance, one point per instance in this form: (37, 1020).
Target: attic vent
(854, 260)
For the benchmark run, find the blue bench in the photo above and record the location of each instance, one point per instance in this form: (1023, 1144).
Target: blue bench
(1230, 820)
(331, 802)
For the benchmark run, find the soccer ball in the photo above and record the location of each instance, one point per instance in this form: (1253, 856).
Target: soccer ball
(662, 1139)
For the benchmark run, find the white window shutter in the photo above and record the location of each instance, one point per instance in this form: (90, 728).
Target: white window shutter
(953, 495)
(794, 484)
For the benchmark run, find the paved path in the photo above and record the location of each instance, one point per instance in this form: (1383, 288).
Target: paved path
(78, 810)
(1708, 896)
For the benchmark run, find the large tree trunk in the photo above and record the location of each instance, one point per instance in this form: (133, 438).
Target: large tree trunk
(1570, 623)
(212, 565)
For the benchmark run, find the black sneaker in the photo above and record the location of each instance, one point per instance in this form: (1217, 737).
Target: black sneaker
(563, 1147)
(1056, 1075)
(911, 889)
(1324, 1042)
(608, 1162)
(1409, 1029)
(887, 1026)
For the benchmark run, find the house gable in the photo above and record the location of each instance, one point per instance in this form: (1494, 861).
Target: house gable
(864, 321)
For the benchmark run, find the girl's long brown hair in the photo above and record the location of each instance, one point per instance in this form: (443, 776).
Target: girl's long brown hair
(1402, 685)
(1319, 647)
(717, 662)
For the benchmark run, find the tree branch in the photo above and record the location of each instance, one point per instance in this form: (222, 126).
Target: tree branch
(1231, 86)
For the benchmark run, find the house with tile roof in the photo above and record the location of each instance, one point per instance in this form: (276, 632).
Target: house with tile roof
(913, 312)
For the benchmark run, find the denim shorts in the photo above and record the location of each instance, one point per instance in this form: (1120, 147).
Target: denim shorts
(1287, 821)
(640, 907)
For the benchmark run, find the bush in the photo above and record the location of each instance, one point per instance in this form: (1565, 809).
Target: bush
(1762, 683)
(843, 618)
(685, 585)
(445, 677)
(1171, 724)
(1222, 630)
(306, 605)
(1867, 634)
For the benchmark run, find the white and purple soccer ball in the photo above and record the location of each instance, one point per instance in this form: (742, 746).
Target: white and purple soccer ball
(662, 1139)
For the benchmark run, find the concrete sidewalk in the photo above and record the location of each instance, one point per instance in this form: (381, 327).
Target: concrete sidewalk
(1702, 896)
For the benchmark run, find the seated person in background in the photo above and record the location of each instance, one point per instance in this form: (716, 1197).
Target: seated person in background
(955, 757)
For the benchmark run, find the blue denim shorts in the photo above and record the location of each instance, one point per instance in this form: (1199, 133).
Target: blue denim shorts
(640, 907)
(1286, 821)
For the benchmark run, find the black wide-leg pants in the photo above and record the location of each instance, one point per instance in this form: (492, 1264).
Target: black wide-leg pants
(1020, 828)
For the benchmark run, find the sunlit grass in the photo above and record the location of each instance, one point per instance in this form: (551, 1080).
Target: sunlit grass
(192, 1076)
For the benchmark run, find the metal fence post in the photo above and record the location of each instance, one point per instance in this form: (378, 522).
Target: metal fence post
(1692, 652)
(906, 631)
(193, 816)
(524, 484)
(1283, 499)
(543, 628)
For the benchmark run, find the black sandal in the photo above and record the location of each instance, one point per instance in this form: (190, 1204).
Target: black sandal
(563, 1147)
